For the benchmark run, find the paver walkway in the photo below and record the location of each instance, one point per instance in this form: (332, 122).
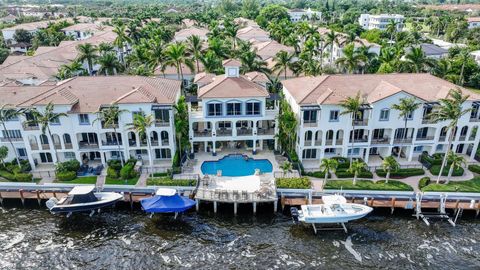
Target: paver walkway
(142, 180)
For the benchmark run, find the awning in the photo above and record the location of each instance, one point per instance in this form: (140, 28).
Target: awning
(167, 204)
(365, 107)
(161, 107)
(430, 104)
(476, 104)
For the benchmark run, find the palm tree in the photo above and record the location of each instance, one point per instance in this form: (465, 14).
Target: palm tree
(450, 109)
(194, 48)
(356, 167)
(104, 48)
(351, 105)
(181, 122)
(7, 113)
(286, 167)
(456, 162)
(282, 62)
(463, 57)
(350, 60)
(108, 117)
(109, 64)
(367, 56)
(231, 32)
(389, 164)
(417, 60)
(391, 29)
(156, 56)
(87, 53)
(211, 62)
(327, 166)
(122, 38)
(287, 123)
(405, 108)
(251, 62)
(177, 57)
(332, 39)
(45, 119)
(140, 125)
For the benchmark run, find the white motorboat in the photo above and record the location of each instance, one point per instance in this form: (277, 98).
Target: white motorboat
(334, 210)
(82, 199)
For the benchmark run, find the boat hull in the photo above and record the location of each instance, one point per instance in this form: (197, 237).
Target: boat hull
(104, 200)
(310, 215)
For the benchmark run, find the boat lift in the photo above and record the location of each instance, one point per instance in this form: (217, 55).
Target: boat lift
(317, 227)
(440, 215)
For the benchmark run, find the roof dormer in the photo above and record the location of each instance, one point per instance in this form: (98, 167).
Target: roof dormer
(232, 68)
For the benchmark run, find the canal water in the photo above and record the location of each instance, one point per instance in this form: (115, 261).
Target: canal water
(32, 238)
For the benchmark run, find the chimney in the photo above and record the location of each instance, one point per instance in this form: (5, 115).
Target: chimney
(232, 68)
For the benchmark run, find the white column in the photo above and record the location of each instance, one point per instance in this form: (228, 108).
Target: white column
(367, 154)
(474, 150)
(410, 153)
(254, 146)
(214, 148)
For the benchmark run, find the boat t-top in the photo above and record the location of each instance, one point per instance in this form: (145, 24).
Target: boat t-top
(334, 210)
(166, 200)
(82, 199)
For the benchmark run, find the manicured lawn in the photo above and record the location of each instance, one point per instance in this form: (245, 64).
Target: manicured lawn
(435, 170)
(456, 186)
(113, 181)
(367, 185)
(165, 181)
(81, 180)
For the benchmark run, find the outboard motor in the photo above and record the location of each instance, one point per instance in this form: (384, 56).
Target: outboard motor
(51, 203)
(294, 214)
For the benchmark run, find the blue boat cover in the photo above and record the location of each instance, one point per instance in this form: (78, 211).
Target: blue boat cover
(166, 204)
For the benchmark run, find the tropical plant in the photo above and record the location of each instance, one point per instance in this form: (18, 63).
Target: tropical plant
(389, 164)
(456, 162)
(351, 106)
(406, 107)
(331, 40)
(286, 167)
(194, 48)
(122, 38)
(356, 167)
(109, 64)
(108, 118)
(177, 57)
(351, 60)
(327, 166)
(391, 29)
(181, 123)
(4, 155)
(417, 61)
(282, 61)
(287, 123)
(87, 53)
(450, 109)
(141, 123)
(7, 113)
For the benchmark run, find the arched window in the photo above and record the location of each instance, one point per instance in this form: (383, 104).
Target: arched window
(308, 135)
(67, 138)
(43, 139)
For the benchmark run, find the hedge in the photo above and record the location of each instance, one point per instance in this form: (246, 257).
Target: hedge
(170, 182)
(317, 174)
(67, 166)
(435, 170)
(401, 173)
(425, 181)
(472, 185)
(343, 163)
(293, 183)
(474, 168)
(347, 174)
(367, 185)
(17, 177)
(7, 175)
(66, 176)
(128, 172)
(112, 173)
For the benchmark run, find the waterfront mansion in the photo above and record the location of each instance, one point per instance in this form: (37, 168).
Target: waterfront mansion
(78, 135)
(232, 111)
(323, 131)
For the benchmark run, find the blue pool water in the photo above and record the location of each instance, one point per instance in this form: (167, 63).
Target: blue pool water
(236, 165)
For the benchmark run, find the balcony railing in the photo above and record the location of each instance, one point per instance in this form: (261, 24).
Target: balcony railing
(442, 138)
(109, 126)
(34, 146)
(339, 141)
(265, 131)
(109, 143)
(428, 121)
(328, 142)
(318, 142)
(474, 119)
(159, 123)
(205, 133)
(359, 140)
(27, 126)
(244, 131)
(224, 132)
(402, 140)
(425, 138)
(462, 138)
(310, 124)
(84, 145)
(165, 142)
(132, 143)
(363, 122)
(308, 142)
(384, 140)
(12, 139)
(57, 145)
(45, 146)
(154, 142)
(68, 146)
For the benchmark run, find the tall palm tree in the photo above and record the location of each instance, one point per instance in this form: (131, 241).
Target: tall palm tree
(391, 29)
(351, 60)
(367, 56)
(417, 61)
(331, 40)
(194, 48)
(109, 117)
(450, 109)
(405, 108)
(87, 53)
(456, 162)
(356, 167)
(351, 106)
(463, 57)
(282, 61)
(122, 39)
(231, 32)
(177, 57)
(287, 123)
(181, 123)
(44, 119)
(105, 47)
(327, 166)
(211, 62)
(156, 56)
(109, 64)
(141, 123)
(251, 62)
(389, 164)
(8, 112)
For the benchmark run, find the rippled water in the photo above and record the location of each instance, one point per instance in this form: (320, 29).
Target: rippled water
(122, 239)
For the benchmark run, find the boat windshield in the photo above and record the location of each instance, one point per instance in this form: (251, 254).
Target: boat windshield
(83, 198)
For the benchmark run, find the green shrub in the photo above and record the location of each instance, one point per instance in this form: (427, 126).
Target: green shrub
(68, 166)
(128, 172)
(66, 176)
(401, 173)
(7, 175)
(294, 183)
(160, 174)
(435, 170)
(114, 164)
(425, 181)
(170, 182)
(344, 173)
(23, 177)
(112, 173)
(131, 161)
(343, 163)
(367, 185)
(176, 159)
(317, 174)
(474, 168)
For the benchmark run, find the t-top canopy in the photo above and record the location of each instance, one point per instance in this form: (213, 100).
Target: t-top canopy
(167, 204)
(81, 190)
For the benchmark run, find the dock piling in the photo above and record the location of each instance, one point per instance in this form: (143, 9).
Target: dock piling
(215, 207)
(235, 205)
(21, 197)
(39, 200)
(197, 205)
(254, 208)
(275, 205)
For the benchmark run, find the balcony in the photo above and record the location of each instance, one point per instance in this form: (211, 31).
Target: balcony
(45, 146)
(34, 146)
(328, 142)
(132, 143)
(425, 138)
(165, 142)
(474, 119)
(160, 123)
(402, 140)
(339, 141)
(68, 146)
(244, 132)
(265, 131)
(154, 142)
(57, 145)
(87, 145)
(224, 132)
(462, 138)
(428, 121)
(30, 126)
(205, 133)
(310, 124)
(109, 126)
(384, 140)
(110, 143)
(362, 122)
(442, 138)
(359, 140)
(318, 142)
(11, 139)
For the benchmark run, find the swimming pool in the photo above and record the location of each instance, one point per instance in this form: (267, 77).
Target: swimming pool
(236, 165)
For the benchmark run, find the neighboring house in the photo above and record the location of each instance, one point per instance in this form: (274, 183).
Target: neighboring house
(244, 22)
(447, 45)
(232, 112)
(32, 28)
(297, 15)
(379, 132)
(20, 47)
(78, 136)
(268, 49)
(476, 56)
(431, 51)
(369, 22)
(81, 31)
(8, 19)
(473, 22)
(250, 33)
(183, 34)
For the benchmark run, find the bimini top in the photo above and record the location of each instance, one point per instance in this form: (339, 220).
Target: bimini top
(82, 194)
(168, 203)
(81, 190)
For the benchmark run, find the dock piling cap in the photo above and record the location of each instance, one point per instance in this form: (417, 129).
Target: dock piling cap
(166, 192)
(80, 190)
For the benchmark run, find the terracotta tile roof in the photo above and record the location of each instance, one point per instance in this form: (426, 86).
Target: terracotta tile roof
(92, 27)
(171, 70)
(34, 25)
(473, 19)
(231, 87)
(250, 32)
(15, 95)
(231, 63)
(203, 78)
(332, 89)
(191, 31)
(268, 49)
(88, 94)
(257, 77)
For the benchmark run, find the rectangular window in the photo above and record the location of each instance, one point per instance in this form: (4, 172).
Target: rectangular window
(22, 152)
(309, 153)
(234, 108)
(13, 134)
(162, 116)
(384, 114)
(215, 109)
(334, 115)
(310, 116)
(55, 121)
(83, 119)
(253, 108)
(418, 149)
(163, 153)
(69, 155)
(410, 116)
